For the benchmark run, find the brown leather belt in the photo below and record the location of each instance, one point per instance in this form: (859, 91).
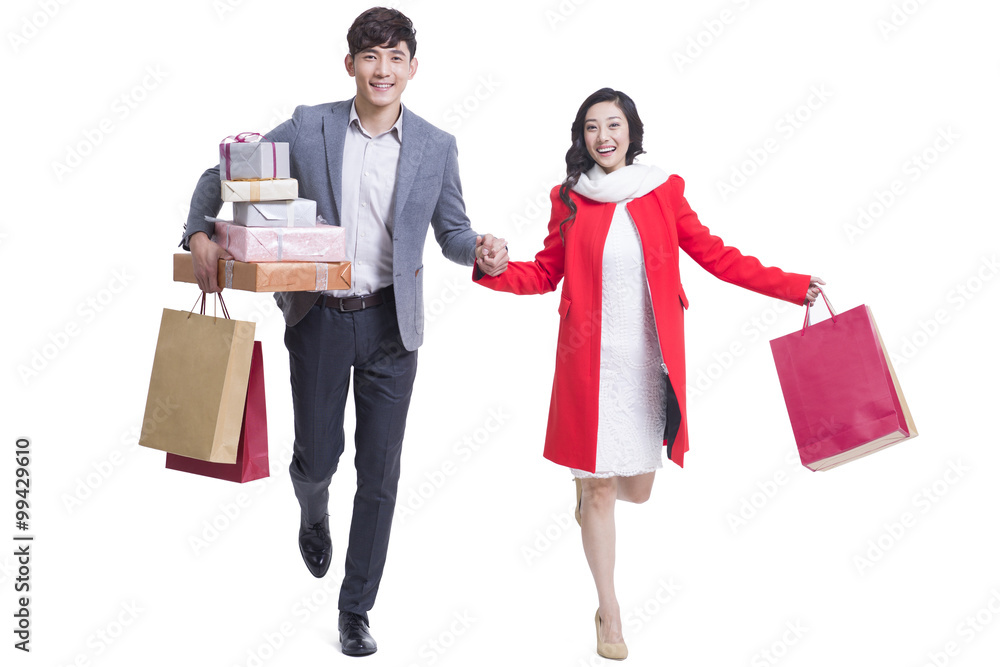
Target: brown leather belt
(349, 304)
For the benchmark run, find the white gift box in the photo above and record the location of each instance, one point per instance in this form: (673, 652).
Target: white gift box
(253, 160)
(292, 213)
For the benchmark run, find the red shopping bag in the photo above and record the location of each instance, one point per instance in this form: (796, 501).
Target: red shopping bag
(840, 389)
(251, 457)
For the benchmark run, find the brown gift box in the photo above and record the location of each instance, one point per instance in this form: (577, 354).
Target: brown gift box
(271, 276)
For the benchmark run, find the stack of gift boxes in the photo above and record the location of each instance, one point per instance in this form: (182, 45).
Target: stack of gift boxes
(275, 238)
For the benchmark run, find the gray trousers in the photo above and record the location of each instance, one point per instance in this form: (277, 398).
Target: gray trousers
(324, 348)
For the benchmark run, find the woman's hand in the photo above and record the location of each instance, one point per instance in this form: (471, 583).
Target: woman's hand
(491, 255)
(813, 293)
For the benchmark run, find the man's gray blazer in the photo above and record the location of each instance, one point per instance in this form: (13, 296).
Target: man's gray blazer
(428, 191)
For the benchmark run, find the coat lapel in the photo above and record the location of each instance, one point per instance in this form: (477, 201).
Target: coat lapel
(657, 230)
(410, 152)
(334, 131)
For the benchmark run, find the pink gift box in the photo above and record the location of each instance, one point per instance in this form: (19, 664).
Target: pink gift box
(322, 243)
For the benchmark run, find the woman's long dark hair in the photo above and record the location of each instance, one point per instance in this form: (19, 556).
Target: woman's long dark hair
(578, 160)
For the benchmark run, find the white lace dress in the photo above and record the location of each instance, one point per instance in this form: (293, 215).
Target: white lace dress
(632, 416)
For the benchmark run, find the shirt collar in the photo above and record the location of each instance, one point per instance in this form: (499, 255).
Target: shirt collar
(397, 126)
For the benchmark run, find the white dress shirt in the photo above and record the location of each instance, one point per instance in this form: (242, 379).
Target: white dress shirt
(368, 186)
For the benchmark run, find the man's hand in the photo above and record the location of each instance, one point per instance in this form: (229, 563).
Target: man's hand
(206, 253)
(491, 255)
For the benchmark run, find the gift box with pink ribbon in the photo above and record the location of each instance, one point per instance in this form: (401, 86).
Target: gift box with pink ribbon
(246, 157)
(322, 243)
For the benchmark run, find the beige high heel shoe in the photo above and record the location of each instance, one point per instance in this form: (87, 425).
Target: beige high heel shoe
(605, 650)
(579, 501)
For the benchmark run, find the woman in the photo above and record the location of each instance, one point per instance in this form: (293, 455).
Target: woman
(619, 392)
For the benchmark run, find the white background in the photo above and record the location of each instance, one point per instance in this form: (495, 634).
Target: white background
(485, 565)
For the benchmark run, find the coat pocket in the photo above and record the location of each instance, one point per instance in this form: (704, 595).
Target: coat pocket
(563, 307)
(682, 295)
(418, 300)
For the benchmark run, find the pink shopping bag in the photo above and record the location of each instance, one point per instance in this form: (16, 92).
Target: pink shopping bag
(251, 457)
(842, 395)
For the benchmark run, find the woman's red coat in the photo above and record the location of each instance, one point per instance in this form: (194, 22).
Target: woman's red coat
(664, 222)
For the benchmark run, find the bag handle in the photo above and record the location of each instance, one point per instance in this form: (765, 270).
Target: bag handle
(225, 311)
(833, 313)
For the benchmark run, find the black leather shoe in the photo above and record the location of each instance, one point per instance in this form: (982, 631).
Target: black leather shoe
(315, 546)
(355, 638)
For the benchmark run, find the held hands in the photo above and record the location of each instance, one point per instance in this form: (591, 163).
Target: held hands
(813, 292)
(491, 255)
(206, 253)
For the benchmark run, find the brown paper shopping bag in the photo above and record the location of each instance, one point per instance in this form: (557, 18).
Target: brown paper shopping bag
(198, 386)
(251, 458)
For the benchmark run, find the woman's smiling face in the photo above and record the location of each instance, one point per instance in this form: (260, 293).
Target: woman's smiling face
(605, 132)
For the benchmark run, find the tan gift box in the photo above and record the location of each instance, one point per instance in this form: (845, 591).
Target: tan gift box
(271, 276)
(269, 190)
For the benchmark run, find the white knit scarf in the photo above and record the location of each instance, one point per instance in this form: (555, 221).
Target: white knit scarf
(628, 182)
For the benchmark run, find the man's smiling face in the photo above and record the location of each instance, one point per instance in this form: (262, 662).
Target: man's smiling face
(381, 73)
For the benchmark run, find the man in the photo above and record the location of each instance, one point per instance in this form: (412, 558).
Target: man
(382, 173)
